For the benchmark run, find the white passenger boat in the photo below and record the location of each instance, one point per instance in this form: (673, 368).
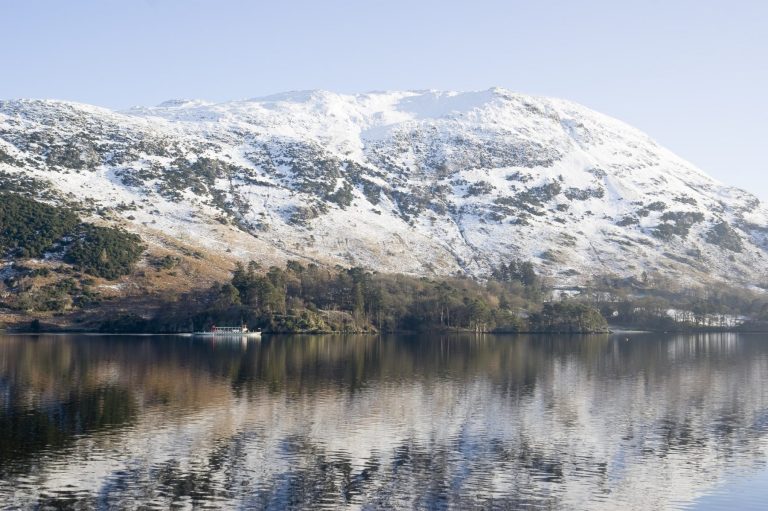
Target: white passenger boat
(228, 332)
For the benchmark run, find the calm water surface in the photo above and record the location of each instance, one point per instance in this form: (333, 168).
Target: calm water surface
(673, 422)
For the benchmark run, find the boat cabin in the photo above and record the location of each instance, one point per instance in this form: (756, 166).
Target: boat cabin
(229, 329)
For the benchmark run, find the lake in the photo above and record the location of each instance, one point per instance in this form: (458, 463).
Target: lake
(632, 421)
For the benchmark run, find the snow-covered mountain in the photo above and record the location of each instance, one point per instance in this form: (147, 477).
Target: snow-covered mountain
(422, 182)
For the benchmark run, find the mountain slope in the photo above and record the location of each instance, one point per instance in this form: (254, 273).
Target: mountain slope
(419, 182)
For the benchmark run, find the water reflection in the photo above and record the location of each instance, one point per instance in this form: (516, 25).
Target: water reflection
(403, 422)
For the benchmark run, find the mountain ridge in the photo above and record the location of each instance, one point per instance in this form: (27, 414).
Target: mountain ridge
(421, 182)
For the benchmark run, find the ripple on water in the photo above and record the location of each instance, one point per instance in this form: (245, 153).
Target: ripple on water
(327, 423)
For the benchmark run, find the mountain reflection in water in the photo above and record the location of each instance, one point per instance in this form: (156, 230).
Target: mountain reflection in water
(453, 422)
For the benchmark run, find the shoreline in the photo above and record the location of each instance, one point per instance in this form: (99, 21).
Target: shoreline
(610, 332)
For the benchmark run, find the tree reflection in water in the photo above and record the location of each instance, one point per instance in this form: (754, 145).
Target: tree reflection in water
(401, 422)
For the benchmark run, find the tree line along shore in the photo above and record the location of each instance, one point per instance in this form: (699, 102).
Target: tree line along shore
(303, 297)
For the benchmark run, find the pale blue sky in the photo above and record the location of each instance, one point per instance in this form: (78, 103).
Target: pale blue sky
(693, 74)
